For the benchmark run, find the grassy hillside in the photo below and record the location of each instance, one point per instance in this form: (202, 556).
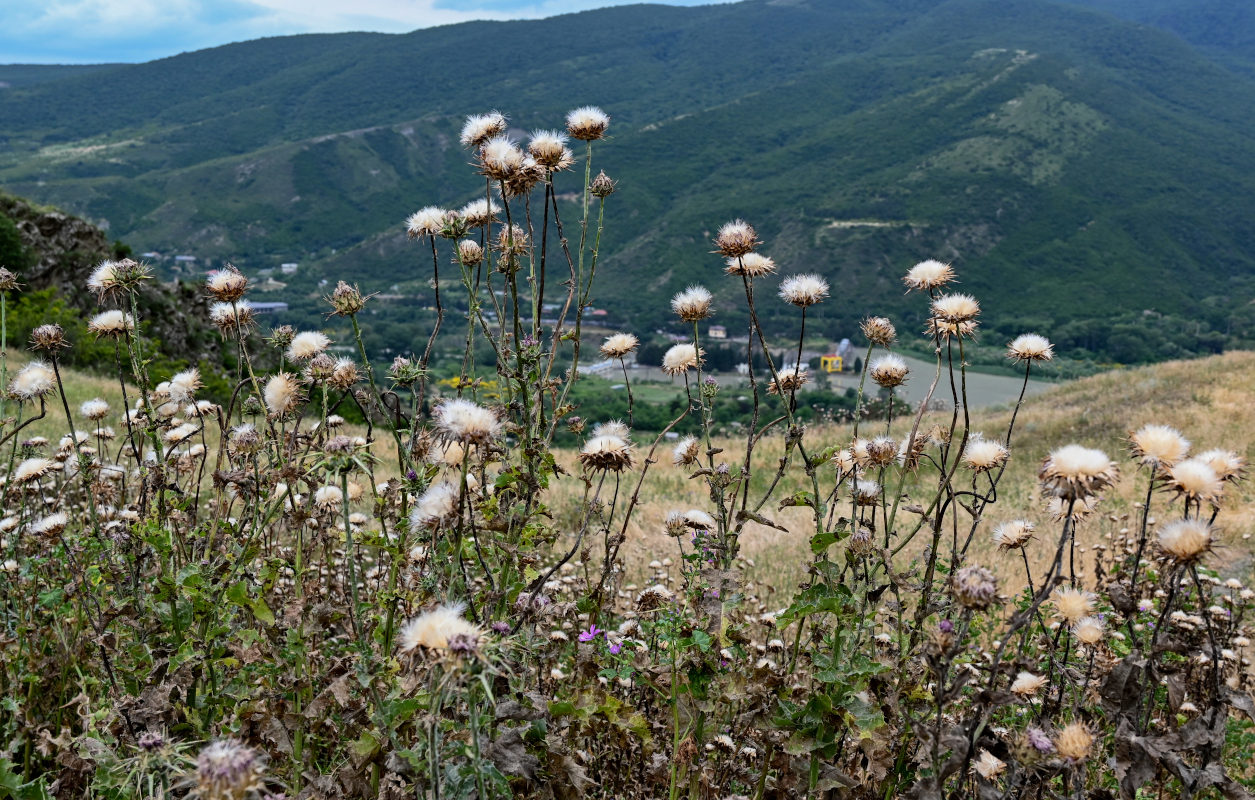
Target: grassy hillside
(1079, 168)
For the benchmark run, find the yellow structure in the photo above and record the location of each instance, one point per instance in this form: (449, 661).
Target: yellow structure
(831, 363)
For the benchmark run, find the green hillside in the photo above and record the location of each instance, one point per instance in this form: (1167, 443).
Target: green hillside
(1088, 175)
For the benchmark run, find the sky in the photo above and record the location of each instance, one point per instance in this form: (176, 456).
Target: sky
(96, 31)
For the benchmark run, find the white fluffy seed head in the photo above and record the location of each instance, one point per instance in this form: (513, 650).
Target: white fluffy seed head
(307, 344)
(1030, 347)
(982, 455)
(94, 409)
(606, 452)
(803, 290)
(183, 386)
(1026, 684)
(686, 451)
(111, 323)
(32, 469)
(433, 630)
(436, 505)
(587, 123)
(479, 213)
(1158, 445)
(1075, 471)
(32, 381)
(928, 274)
(1185, 540)
(692, 304)
(427, 221)
(889, 370)
(479, 128)
(681, 357)
(549, 149)
(618, 345)
(1072, 605)
(103, 278)
(1195, 479)
(1013, 534)
(751, 265)
(735, 239)
(328, 497)
(956, 308)
(1227, 464)
(1089, 631)
(282, 394)
(466, 421)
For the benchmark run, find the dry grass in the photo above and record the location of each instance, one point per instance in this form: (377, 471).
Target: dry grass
(1208, 400)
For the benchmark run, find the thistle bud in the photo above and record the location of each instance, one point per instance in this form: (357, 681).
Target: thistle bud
(453, 225)
(404, 372)
(346, 300)
(282, 336)
(879, 330)
(602, 186)
(8, 281)
(470, 253)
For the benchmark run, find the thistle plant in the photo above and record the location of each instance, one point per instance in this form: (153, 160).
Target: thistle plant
(350, 577)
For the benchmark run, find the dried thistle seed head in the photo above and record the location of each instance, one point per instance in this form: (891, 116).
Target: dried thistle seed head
(320, 369)
(438, 504)
(1074, 742)
(441, 630)
(346, 300)
(1026, 684)
(227, 770)
(988, 766)
(692, 304)
(344, 374)
(511, 241)
(1089, 631)
(1081, 507)
(956, 308)
(1228, 465)
(983, 455)
(480, 213)
(282, 394)
(879, 331)
(882, 451)
(654, 597)
(183, 385)
(427, 221)
(927, 275)
(889, 371)
(865, 493)
(1072, 605)
(234, 320)
(587, 123)
(48, 338)
(111, 323)
(1073, 471)
(1185, 540)
(227, 284)
(32, 381)
(1158, 445)
(681, 357)
(479, 128)
(750, 265)
(606, 452)
(1013, 535)
(735, 239)
(974, 587)
(103, 280)
(549, 149)
(499, 158)
(803, 290)
(1195, 479)
(1030, 347)
(602, 186)
(307, 344)
(328, 498)
(32, 469)
(686, 451)
(8, 281)
(465, 421)
(939, 328)
(523, 177)
(618, 345)
(470, 253)
(95, 409)
(789, 381)
(50, 525)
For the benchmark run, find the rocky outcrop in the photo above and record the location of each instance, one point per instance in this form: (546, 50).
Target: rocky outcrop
(62, 251)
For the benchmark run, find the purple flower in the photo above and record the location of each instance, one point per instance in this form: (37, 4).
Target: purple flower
(1040, 741)
(710, 381)
(501, 627)
(411, 475)
(592, 633)
(615, 648)
(946, 626)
